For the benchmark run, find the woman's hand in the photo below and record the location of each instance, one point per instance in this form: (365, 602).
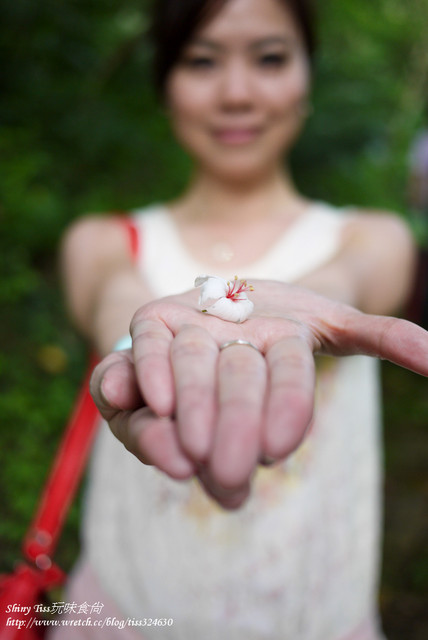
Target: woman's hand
(218, 413)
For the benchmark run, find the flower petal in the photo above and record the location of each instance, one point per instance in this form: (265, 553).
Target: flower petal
(200, 280)
(232, 310)
(225, 299)
(212, 289)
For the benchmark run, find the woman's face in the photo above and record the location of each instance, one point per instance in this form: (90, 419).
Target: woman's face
(237, 95)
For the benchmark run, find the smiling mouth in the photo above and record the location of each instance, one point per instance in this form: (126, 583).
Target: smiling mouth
(236, 136)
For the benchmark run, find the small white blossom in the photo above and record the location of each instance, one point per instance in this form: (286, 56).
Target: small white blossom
(226, 299)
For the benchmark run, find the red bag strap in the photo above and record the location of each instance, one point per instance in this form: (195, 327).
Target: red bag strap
(63, 479)
(132, 233)
(70, 460)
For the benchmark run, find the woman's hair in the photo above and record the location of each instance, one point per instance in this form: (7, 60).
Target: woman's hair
(175, 21)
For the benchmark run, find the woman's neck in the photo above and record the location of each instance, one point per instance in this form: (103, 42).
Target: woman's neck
(221, 223)
(209, 200)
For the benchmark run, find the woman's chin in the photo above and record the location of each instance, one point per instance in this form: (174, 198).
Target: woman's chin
(241, 172)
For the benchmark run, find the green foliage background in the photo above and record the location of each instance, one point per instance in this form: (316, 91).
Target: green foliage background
(80, 130)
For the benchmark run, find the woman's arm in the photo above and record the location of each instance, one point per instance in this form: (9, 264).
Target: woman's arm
(372, 272)
(374, 268)
(102, 285)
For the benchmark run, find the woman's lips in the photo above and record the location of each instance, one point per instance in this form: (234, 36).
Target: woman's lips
(236, 135)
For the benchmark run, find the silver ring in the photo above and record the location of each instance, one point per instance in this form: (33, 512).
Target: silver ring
(244, 343)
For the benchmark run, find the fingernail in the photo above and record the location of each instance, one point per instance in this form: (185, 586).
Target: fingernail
(104, 394)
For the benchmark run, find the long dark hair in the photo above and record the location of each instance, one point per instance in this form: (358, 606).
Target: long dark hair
(175, 21)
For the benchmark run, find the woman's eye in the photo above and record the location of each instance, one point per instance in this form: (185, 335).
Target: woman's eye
(273, 59)
(199, 62)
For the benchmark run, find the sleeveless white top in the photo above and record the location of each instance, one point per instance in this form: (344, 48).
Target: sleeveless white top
(299, 561)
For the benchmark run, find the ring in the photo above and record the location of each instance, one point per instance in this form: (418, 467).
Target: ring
(244, 343)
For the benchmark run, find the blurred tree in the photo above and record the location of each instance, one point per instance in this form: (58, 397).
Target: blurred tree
(368, 97)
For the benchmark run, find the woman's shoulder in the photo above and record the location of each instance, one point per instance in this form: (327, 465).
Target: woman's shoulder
(94, 232)
(93, 248)
(386, 237)
(378, 221)
(358, 214)
(97, 237)
(96, 241)
(383, 229)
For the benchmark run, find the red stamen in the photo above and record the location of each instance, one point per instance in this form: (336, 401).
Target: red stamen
(234, 290)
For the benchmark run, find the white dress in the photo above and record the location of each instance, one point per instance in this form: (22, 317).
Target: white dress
(300, 560)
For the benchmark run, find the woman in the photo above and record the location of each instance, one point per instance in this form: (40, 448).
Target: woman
(243, 548)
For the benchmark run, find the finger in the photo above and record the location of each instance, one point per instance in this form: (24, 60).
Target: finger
(151, 342)
(114, 385)
(242, 379)
(194, 355)
(290, 398)
(153, 441)
(400, 341)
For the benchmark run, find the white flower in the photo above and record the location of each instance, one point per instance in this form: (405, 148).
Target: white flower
(226, 299)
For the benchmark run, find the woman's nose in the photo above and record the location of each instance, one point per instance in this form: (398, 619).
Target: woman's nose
(236, 89)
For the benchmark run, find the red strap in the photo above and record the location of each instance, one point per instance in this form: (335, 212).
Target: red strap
(63, 480)
(70, 461)
(133, 236)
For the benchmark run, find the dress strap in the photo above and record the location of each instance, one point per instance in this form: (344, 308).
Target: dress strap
(133, 235)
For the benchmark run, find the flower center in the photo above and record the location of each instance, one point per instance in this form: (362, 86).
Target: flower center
(236, 287)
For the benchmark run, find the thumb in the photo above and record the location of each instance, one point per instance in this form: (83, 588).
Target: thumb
(114, 385)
